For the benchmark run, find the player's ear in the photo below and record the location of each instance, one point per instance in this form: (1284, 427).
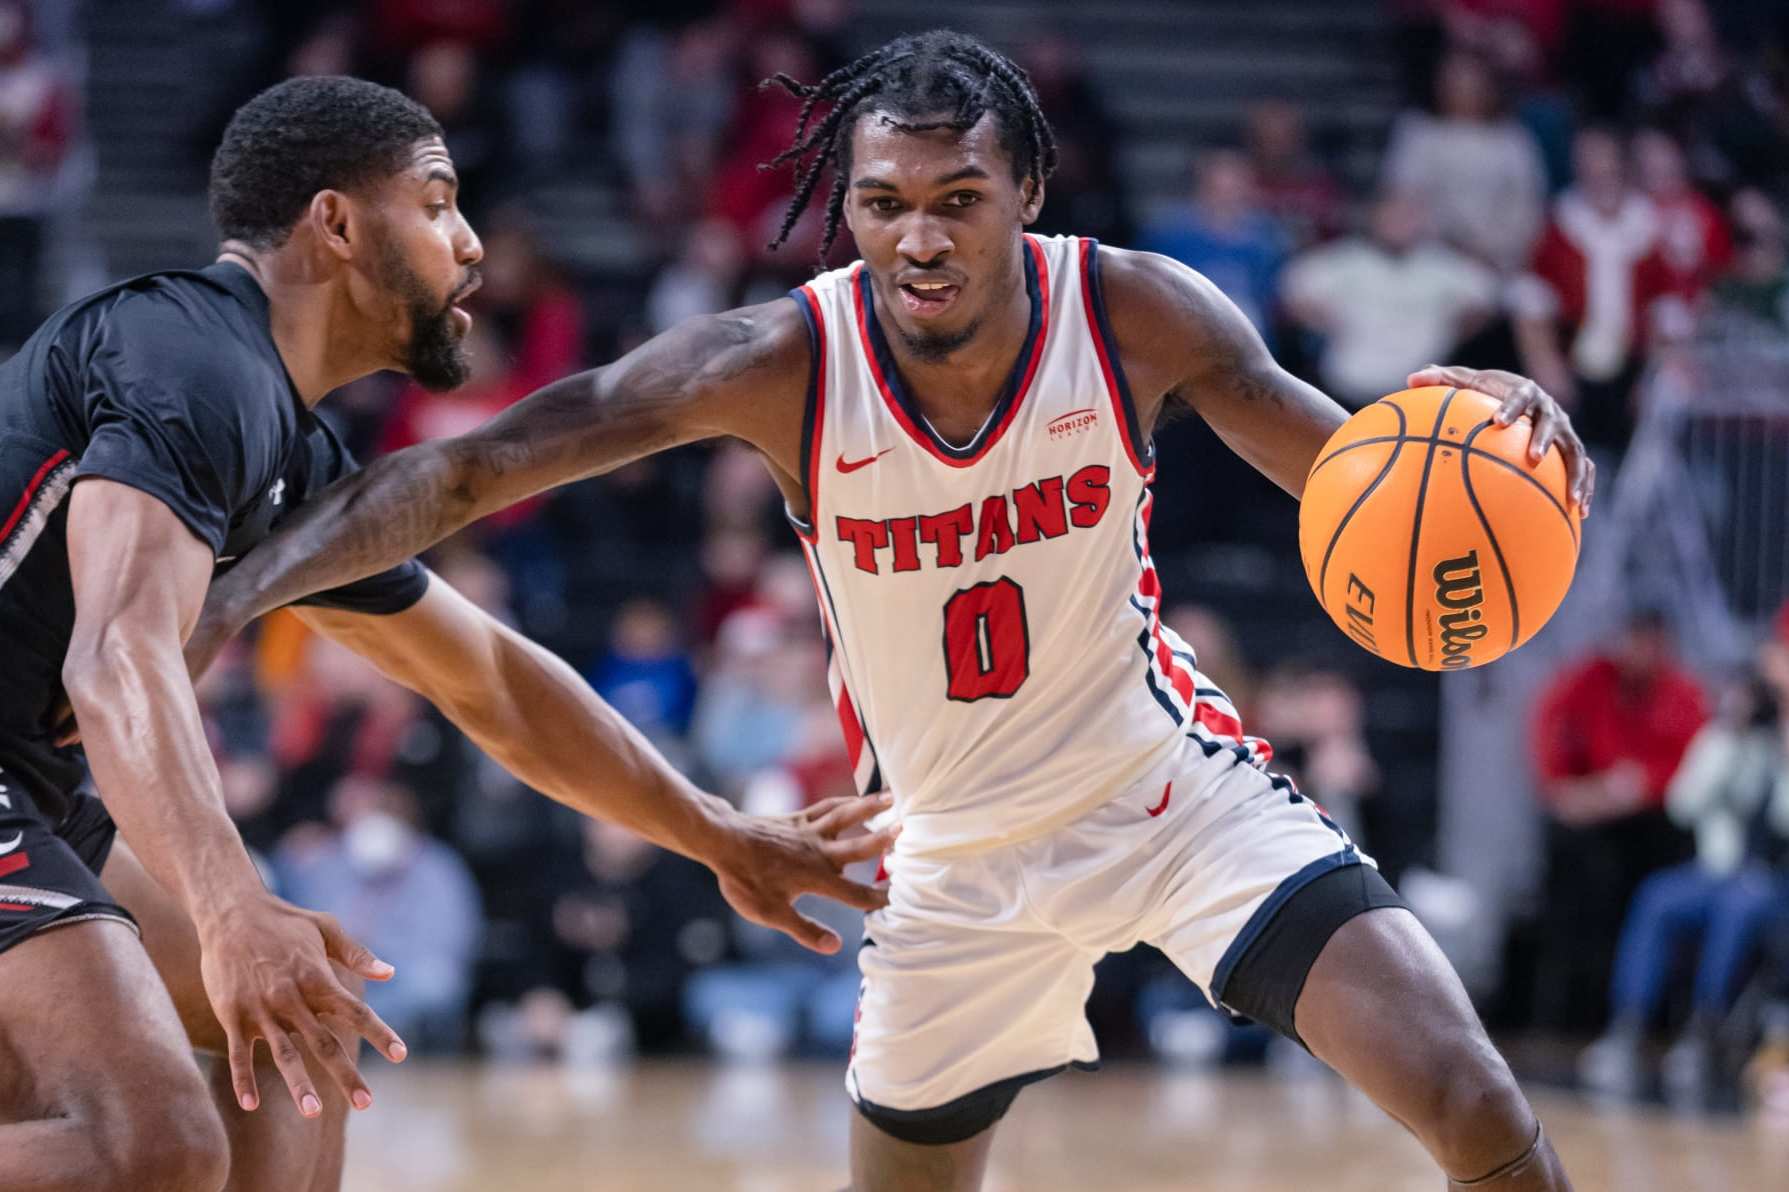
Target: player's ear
(1031, 201)
(332, 218)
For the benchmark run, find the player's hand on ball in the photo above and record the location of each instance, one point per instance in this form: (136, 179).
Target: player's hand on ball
(770, 860)
(1522, 398)
(266, 967)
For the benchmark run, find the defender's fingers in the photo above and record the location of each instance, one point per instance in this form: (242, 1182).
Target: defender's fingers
(337, 1061)
(854, 894)
(864, 806)
(811, 935)
(861, 848)
(290, 1061)
(349, 952)
(358, 1018)
(854, 813)
(349, 1040)
(241, 1050)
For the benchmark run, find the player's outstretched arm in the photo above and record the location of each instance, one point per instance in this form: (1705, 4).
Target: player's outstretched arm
(139, 577)
(1184, 341)
(715, 375)
(532, 713)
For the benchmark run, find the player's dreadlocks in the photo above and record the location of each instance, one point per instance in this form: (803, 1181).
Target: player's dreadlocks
(947, 76)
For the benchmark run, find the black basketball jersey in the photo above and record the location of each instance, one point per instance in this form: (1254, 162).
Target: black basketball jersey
(170, 383)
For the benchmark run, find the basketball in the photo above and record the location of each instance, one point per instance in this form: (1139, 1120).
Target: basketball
(1427, 535)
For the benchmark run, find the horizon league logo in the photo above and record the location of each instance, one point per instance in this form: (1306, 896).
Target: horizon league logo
(1459, 587)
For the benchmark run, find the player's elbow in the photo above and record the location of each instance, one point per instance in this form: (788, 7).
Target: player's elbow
(101, 661)
(83, 667)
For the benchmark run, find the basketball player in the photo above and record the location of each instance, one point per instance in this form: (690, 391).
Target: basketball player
(150, 434)
(961, 427)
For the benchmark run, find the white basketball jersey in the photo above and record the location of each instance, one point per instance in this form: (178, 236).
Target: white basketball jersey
(992, 613)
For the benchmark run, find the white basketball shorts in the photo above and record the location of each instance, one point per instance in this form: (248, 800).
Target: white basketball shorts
(976, 974)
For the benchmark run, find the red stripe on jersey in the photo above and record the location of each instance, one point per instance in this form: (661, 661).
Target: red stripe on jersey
(813, 460)
(16, 906)
(1178, 675)
(849, 724)
(1149, 587)
(1037, 352)
(18, 511)
(1219, 722)
(14, 863)
(852, 727)
(1101, 350)
(1168, 664)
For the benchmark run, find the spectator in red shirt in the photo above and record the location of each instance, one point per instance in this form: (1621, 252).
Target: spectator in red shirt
(1609, 733)
(1584, 309)
(1693, 235)
(740, 192)
(401, 27)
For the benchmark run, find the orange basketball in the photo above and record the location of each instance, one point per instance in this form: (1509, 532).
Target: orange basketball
(1428, 537)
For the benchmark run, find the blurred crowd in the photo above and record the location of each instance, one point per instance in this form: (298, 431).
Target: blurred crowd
(1571, 187)
(1667, 837)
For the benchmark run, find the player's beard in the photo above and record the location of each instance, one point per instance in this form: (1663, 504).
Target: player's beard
(434, 354)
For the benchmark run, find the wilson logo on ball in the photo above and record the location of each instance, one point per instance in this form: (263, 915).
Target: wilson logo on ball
(1429, 536)
(1460, 588)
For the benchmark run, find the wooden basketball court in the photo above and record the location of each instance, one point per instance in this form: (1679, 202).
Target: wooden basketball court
(695, 1125)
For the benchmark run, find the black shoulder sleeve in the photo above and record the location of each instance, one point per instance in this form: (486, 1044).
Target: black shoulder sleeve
(323, 460)
(174, 416)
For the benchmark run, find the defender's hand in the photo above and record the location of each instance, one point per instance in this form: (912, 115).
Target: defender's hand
(1522, 398)
(769, 860)
(266, 969)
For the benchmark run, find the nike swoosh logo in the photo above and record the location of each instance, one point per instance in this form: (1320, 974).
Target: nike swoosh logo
(851, 465)
(12, 844)
(1167, 792)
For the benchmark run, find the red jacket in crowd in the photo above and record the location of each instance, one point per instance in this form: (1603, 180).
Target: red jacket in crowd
(1589, 720)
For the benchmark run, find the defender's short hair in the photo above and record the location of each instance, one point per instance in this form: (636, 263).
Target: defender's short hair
(301, 136)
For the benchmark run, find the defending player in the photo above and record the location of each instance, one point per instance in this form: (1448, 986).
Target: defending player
(150, 434)
(961, 427)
